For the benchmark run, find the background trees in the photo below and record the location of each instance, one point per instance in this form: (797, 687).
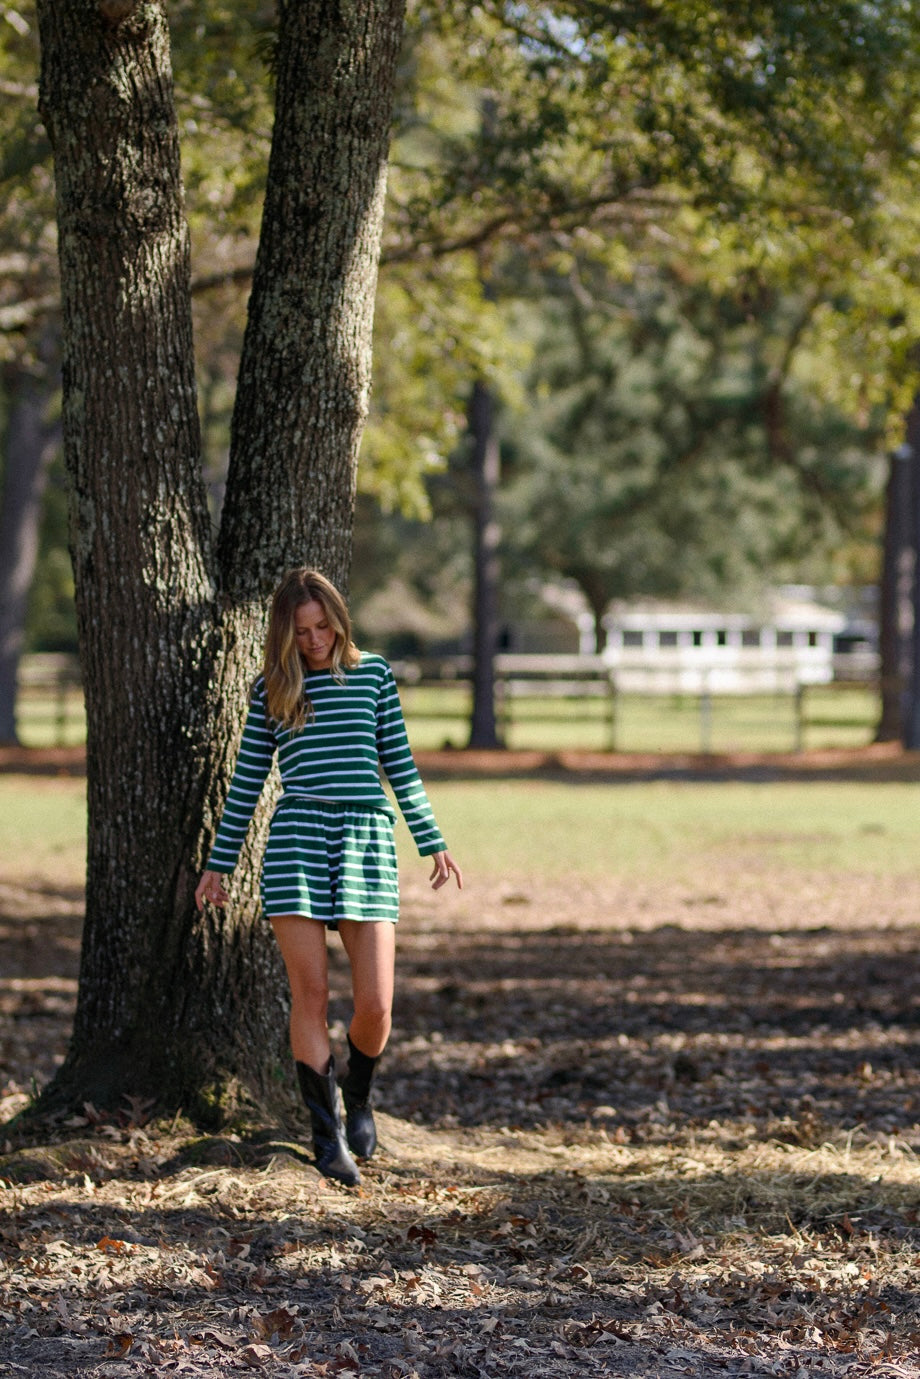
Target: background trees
(766, 155)
(29, 336)
(770, 148)
(651, 459)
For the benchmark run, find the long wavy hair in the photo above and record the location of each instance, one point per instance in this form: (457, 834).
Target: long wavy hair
(283, 665)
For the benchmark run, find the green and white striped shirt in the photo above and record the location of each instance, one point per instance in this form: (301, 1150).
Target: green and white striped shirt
(357, 727)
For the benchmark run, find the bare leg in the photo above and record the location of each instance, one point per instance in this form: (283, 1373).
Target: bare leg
(303, 947)
(371, 949)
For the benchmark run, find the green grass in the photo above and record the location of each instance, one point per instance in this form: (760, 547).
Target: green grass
(666, 828)
(43, 827)
(551, 830)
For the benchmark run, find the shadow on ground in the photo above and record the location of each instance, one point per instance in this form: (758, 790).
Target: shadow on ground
(658, 1033)
(651, 1152)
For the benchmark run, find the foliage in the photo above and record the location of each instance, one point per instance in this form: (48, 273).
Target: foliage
(636, 111)
(28, 280)
(651, 458)
(773, 142)
(749, 144)
(756, 172)
(410, 577)
(434, 329)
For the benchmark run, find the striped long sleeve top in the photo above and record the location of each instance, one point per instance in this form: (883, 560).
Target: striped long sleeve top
(357, 727)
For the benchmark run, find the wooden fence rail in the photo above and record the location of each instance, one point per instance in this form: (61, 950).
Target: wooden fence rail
(52, 680)
(579, 680)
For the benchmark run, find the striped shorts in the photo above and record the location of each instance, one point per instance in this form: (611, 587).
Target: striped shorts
(330, 862)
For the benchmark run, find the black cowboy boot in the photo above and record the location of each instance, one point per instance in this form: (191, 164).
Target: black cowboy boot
(321, 1096)
(356, 1089)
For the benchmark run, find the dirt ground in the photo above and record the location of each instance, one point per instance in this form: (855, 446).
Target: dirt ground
(643, 1130)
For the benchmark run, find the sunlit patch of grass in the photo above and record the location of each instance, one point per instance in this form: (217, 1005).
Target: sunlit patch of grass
(43, 828)
(549, 830)
(552, 829)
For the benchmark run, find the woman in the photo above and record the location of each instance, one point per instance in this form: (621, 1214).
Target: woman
(333, 716)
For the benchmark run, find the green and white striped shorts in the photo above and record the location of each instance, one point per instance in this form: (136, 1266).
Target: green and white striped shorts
(330, 861)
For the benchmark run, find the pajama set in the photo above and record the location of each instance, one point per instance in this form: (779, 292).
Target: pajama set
(330, 851)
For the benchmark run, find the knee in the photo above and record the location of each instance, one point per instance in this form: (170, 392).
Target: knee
(309, 994)
(374, 1013)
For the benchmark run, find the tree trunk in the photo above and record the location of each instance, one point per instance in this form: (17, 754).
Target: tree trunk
(894, 598)
(304, 378)
(487, 567)
(31, 439)
(139, 544)
(912, 710)
(600, 630)
(189, 1010)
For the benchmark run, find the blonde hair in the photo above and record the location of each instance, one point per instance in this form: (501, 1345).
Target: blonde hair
(283, 667)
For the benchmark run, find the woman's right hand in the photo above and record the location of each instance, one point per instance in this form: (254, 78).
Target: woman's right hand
(211, 888)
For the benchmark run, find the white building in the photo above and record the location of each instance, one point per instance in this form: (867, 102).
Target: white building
(655, 647)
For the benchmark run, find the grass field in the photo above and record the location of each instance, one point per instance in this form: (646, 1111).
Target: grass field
(668, 827)
(834, 716)
(43, 828)
(550, 830)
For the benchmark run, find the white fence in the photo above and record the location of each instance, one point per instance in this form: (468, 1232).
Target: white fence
(684, 671)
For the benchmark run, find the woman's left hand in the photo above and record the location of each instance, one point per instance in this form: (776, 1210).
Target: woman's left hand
(211, 888)
(444, 864)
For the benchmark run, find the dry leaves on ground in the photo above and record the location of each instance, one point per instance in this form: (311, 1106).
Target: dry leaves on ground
(612, 1146)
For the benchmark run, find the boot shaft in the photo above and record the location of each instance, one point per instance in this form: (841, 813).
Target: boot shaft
(321, 1097)
(360, 1130)
(356, 1084)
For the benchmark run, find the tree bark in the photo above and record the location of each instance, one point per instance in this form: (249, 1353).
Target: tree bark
(183, 1009)
(31, 439)
(487, 566)
(139, 543)
(304, 377)
(894, 600)
(912, 710)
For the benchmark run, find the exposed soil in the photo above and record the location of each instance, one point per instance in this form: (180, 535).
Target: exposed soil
(629, 1130)
(878, 761)
(881, 761)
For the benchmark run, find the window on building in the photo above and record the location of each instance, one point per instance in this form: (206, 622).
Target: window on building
(785, 638)
(667, 639)
(697, 639)
(813, 639)
(633, 638)
(750, 636)
(721, 637)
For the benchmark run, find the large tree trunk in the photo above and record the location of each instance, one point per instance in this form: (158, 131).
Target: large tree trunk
(31, 439)
(487, 566)
(151, 999)
(185, 1009)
